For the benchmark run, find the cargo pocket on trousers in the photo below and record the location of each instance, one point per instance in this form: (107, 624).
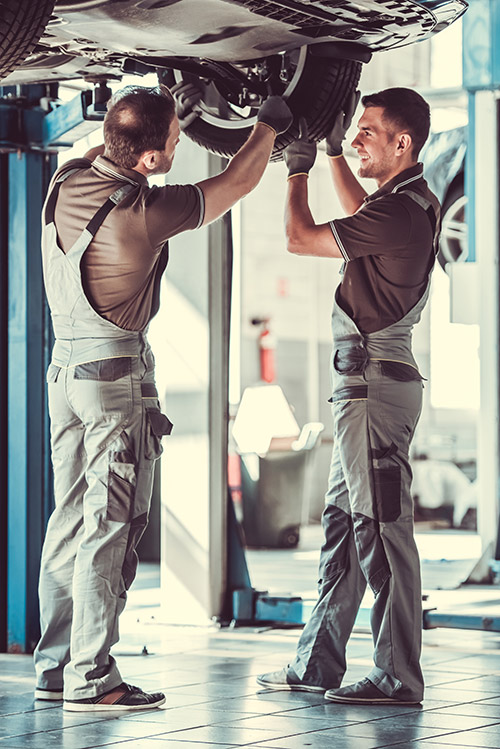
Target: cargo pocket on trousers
(53, 373)
(122, 480)
(157, 426)
(351, 356)
(104, 370)
(137, 527)
(400, 371)
(387, 484)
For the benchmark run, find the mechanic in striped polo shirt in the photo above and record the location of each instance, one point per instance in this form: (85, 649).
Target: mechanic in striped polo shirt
(388, 242)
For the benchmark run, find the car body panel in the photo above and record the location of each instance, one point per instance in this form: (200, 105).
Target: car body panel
(101, 33)
(444, 159)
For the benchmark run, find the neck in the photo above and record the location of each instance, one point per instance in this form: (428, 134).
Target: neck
(383, 180)
(141, 169)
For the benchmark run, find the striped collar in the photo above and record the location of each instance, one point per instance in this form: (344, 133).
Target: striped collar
(110, 169)
(400, 181)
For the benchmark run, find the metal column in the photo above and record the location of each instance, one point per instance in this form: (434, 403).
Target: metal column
(481, 73)
(29, 492)
(30, 135)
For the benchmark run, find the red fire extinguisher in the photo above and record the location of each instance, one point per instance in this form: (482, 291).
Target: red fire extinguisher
(267, 349)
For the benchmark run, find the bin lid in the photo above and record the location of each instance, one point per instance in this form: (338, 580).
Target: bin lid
(263, 414)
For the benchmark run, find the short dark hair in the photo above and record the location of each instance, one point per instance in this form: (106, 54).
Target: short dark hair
(138, 120)
(406, 110)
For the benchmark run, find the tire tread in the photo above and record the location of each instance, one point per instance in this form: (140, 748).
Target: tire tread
(22, 23)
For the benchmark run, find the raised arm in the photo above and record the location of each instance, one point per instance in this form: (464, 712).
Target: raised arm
(349, 190)
(303, 235)
(244, 171)
(351, 193)
(246, 168)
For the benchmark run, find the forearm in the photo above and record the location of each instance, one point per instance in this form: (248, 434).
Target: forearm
(240, 176)
(246, 168)
(304, 236)
(298, 217)
(349, 190)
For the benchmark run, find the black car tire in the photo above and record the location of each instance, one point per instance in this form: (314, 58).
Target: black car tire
(322, 86)
(22, 23)
(453, 240)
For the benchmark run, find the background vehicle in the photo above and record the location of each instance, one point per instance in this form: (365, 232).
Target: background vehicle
(238, 51)
(444, 163)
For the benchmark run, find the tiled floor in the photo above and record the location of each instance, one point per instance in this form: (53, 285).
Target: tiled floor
(212, 699)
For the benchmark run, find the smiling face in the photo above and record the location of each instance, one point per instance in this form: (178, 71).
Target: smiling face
(379, 146)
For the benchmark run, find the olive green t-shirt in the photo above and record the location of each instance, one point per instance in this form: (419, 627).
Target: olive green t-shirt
(122, 267)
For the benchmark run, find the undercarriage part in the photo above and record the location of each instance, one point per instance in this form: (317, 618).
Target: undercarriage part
(315, 87)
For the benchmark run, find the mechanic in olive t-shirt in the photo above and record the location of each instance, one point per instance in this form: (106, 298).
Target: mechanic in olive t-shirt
(104, 249)
(122, 267)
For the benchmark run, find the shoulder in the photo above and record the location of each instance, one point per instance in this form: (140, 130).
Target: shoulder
(170, 210)
(388, 210)
(70, 165)
(169, 200)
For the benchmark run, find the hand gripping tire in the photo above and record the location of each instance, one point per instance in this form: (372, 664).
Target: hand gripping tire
(22, 23)
(317, 90)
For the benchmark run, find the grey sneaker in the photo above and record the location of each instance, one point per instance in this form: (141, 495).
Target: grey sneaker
(286, 679)
(55, 695)
(364, 692)
(122, 697)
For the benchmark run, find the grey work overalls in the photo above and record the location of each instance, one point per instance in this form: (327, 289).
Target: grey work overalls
(106, 428)
(368, 516)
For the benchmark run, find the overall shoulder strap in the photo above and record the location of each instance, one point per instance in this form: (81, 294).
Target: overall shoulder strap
(98, 217)
(88, 234)
(429, 209)
(50, 205)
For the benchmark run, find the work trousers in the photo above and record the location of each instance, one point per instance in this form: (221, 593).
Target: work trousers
(368, 525)
(106, 429)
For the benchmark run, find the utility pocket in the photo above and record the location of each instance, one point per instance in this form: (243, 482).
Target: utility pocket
(157, 425)
(387, 484)
(352, 393)
(351, 356)
(122, 479)
(137, 527)
(399, 371)
(104, 370)
(53, 373)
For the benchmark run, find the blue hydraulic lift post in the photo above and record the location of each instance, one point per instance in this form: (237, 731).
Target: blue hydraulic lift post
(29, 138)
(29, 484)
(481, 78)
(3, 398)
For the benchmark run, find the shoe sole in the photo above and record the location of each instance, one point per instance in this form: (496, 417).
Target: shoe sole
(46, 694)
(88, 707)
(372, 701)
(290, 687)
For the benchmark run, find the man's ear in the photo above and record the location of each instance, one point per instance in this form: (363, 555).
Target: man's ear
(404, 144)
(148, 160)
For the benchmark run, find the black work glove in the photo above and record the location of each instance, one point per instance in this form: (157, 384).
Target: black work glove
(276, 114)
(187, 98)
(301, 154)
(341, 125)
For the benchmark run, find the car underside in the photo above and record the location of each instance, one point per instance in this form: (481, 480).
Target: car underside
(237, 51)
